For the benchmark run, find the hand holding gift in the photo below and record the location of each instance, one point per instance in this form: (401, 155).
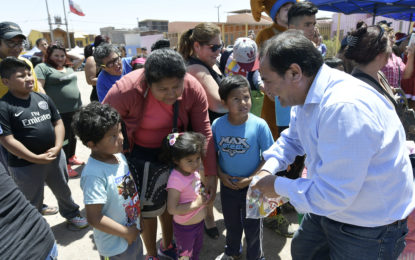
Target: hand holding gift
(258, 204)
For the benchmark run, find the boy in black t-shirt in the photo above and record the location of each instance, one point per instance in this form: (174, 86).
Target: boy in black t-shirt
(25, 234)
(33, 133)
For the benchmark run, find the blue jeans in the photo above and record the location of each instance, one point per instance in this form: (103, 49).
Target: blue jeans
(234, 214)
(322, 238)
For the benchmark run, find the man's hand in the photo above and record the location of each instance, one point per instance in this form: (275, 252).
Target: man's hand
(211, 182)
(132, 234)
(266, 185)
(262, 173)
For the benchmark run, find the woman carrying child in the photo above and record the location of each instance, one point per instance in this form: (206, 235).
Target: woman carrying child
(186, 200)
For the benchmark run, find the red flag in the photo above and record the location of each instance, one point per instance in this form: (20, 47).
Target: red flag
(74, 8)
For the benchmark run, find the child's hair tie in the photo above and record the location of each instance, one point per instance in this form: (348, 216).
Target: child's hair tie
(173, 137)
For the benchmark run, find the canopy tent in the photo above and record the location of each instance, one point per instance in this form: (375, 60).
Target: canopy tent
(396, 9)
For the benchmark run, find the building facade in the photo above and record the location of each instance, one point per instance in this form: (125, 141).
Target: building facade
(154, 25)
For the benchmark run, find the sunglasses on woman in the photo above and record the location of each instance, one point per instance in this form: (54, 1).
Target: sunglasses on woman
(215, 47)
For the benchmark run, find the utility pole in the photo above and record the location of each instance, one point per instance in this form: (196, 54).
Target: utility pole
(218, 6)
(66, 23)
(50, 22)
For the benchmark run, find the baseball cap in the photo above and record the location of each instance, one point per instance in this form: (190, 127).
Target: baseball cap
(9, 30)
(245, 53)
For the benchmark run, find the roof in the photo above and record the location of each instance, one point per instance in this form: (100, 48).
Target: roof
(179, 27)
(246, 18)
(242, 11)
(152, 20)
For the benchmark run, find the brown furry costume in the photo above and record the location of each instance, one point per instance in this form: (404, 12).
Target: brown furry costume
(271, 7)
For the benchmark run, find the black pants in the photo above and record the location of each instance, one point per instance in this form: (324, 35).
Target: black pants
(234, 214)
(94, 94)
(69, 143)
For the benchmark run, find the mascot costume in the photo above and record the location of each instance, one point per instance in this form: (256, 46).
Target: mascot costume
(272, 9)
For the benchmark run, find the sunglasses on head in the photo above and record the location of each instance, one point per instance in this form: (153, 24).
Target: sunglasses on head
(215, 47)
(381, 32)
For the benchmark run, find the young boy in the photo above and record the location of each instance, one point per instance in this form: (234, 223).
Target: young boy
(240, 138)
(32, 132)
(110, 195)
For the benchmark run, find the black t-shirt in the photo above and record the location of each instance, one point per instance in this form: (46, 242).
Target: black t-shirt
(217, 77)
(30, 122)
(24, 233)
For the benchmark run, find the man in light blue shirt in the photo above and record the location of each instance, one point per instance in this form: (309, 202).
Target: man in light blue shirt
(359, 188)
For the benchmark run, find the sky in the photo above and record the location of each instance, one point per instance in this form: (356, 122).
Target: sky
(32, 14)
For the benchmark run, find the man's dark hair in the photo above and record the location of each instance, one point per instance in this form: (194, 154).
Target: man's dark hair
(38, 41)
(10, 65)
(35, 60)
(301, 9)
(93, 121)
(291, 47)
(164, 63)
(104, 50)
(334, 62)
(230, 83)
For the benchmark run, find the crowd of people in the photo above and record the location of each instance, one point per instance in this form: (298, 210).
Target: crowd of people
(328, 133)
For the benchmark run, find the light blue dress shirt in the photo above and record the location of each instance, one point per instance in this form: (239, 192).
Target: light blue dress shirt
(358, 165)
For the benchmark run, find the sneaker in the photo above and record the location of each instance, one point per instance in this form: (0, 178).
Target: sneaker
(71, 172)
(280, 225)
(224, 256)
(170, 252)
(79, 222)
(75, 161)
(151, 257)
(46, 210)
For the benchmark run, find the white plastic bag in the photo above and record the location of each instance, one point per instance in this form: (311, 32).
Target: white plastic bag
(259, 206)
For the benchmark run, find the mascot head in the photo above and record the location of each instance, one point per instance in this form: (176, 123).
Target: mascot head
(271, 7)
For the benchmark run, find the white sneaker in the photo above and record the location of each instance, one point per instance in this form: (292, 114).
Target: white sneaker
(224, 256)
(79, 222)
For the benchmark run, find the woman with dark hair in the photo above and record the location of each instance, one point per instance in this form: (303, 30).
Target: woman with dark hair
(370, 48)
(60, 83)
(90, 69)
(145, 99)
(200, 48)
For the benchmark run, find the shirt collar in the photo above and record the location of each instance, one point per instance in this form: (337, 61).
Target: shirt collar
(318, 86)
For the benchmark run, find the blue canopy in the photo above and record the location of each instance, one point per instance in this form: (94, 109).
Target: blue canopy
(396, 9)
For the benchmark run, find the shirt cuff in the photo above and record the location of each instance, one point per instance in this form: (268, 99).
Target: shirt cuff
(282, 186)
(271, 165)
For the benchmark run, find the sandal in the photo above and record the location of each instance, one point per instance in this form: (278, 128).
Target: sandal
(212, 232)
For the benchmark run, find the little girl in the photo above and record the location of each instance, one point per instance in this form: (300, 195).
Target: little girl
(186, 198)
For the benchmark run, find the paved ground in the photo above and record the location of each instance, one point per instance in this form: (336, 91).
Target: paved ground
(79, 245)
